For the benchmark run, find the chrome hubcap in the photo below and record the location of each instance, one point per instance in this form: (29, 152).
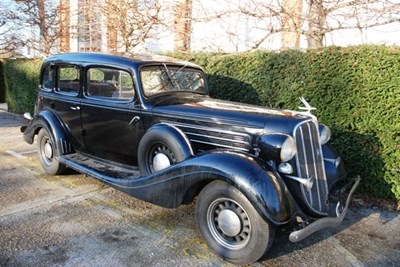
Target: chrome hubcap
(160, 157)
(161, 161)
(229, 223)
(48, 150)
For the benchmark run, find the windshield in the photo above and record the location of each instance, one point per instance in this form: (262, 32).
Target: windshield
(163, 78)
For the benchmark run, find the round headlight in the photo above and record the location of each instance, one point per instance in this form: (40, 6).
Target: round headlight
(277, 147)
(288, 149)
(324, 133)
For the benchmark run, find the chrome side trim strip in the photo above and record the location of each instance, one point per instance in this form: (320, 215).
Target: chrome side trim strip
(219, 145)
(218, 138)
(199, 127)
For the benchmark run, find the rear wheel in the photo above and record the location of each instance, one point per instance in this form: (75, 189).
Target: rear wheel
(47, 151)
(230, 224)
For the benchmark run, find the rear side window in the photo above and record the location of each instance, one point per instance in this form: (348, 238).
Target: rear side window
(68, 79)
(109, 83)
(48, 79)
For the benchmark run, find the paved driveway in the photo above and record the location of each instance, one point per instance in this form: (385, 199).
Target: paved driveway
(74, 220)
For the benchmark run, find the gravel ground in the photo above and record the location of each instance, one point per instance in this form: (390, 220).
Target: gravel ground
(74, 220)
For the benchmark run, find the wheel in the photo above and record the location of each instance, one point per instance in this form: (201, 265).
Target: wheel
(47, 152)
(158, 157)
(230, 224)
(160, 148)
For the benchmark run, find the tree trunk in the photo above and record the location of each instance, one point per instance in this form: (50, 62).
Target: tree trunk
(182, 25)
(64, 26)
(44, 40)
(316, 19)
(291, 23)
(112, 34)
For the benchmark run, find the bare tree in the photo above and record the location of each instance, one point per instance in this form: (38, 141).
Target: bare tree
(9, 41)
(326, 16)
(2, 24)
(316, 19)
(252, 22)
(40, 24)
(290, 19)
(45, 26)
(291, 23)
(131, 22)
(10, 45)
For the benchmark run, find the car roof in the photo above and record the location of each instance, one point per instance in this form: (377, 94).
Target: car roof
(126, 60)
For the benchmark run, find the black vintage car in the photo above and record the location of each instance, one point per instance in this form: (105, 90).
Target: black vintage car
(146, 126)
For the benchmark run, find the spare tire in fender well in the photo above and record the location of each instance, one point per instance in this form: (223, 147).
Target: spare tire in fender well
(165, 134)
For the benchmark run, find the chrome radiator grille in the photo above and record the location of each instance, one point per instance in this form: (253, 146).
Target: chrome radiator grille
(310, 164)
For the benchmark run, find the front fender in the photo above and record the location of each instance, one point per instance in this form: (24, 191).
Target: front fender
(263, 188)
(47, 119)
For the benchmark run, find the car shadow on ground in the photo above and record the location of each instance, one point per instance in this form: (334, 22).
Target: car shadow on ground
(11, 120)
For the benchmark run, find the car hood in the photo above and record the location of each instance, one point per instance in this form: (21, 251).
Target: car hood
(203, 110)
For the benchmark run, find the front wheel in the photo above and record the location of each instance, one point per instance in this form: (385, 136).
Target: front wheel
(230, 224)
(47, 151)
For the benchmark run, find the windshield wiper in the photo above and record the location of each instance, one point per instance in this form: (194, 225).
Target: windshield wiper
(174, 83)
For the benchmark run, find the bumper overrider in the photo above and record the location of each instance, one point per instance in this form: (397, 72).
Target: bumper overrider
(327, 222)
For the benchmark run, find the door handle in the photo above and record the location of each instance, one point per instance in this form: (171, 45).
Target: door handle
(75, 108)
(135, 120)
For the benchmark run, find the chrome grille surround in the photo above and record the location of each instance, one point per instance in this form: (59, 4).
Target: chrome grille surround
(215, 136)
(310, 165)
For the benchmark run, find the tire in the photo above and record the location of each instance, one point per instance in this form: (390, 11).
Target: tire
(47, 151)
(230, 224)
(161, 147)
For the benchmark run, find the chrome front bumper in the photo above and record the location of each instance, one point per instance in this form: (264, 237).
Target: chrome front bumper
(328, 222)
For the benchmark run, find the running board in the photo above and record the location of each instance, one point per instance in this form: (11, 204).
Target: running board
(98, 168)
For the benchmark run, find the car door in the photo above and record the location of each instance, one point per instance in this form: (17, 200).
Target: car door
(111, 117)
(66, 102)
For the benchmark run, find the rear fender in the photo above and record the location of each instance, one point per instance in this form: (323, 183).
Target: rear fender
(48, 120)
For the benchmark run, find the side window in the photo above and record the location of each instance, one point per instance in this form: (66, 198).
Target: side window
(109, 83)
(68, 79)
(48, 79)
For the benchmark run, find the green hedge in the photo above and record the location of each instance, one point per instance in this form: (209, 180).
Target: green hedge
(2, 84)
(22, 79)
(356, 91)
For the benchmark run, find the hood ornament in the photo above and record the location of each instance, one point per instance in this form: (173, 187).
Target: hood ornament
(307, 107)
